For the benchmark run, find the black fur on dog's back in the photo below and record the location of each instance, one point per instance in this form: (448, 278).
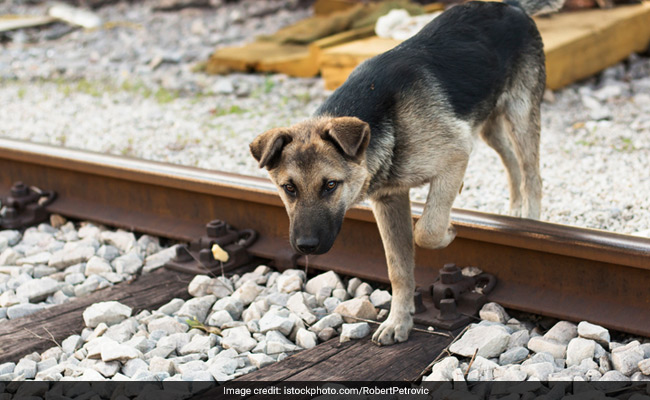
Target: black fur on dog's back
(471, 51)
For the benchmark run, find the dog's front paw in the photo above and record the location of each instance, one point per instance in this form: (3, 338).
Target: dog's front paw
(394, 330)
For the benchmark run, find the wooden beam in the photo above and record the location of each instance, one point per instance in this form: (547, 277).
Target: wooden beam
(577, 44)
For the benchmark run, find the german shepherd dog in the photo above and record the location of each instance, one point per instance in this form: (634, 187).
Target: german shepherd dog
(409, 117)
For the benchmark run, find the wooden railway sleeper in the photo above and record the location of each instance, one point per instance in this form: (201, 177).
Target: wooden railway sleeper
(196, 258)
(25, 206)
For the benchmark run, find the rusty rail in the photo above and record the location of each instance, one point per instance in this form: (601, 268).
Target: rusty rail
(549, 269)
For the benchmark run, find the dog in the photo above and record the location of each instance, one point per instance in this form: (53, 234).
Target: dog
(409, 117)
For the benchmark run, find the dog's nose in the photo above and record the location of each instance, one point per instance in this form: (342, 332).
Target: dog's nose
(307, 245)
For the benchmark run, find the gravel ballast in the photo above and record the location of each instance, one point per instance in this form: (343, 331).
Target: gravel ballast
(129, 89)
(46, 266)
(512, 350)
(209, 337)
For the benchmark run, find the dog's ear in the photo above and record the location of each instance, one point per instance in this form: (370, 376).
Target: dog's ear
(267, 147)
(351, 134)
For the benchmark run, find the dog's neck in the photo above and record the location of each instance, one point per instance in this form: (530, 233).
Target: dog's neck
(379, 157)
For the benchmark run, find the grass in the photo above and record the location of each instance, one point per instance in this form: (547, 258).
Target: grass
(233, 109)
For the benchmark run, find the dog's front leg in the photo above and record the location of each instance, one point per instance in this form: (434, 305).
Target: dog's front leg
(393, 214)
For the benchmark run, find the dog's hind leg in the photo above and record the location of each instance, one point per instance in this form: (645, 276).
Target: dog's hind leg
(393, 215)
(525, 136)
(434, 230)
(495, 134)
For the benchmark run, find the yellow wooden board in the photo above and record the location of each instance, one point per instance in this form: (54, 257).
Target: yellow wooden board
(290, 59)
(577, 44)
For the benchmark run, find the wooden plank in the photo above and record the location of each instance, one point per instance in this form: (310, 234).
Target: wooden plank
(264, 56)
(358, 360)
(580, 44)
(18, 337)
(577, 44)
(10, 22)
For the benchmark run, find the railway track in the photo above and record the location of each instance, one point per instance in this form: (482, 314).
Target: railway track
(553, 270)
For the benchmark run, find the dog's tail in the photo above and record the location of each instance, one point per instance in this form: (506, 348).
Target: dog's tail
(534, 7)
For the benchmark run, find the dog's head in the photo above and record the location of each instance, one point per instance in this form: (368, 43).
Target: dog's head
(320, 169)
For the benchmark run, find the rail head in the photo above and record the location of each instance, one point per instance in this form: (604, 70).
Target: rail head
(552, 238)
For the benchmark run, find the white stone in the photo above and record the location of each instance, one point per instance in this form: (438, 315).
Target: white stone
(380, 298)
(9, 257)
(219, 318)
(494, 312)
(198, 344)
(329, 279)
(306, 339)
(562, 332)
(38, 289)
(26, 367)
(443, 370)
(108, 252)
(490, 341)
(513, 355)
(333, 320)
(255, 311)
(97, 265)
(298, 305)
(123, 331)
(129, 264)
(203, 285)
(71, 344)
(12, 236)
(119, 352)
(197, 307)
(234, 306)
(539, 370)
(107, 369)
(65, 258)
(625, 359)
(289, 283)
(274, 321)
(171, 307)
(154, 261)
(331, 303)
(108, 312)
(644, 366)
(353, 284)
(132, 366)
(167, 324)
(238, 338)
(159, 364)
(364, 289)
(579, 349)
(247, 292)
(260, 360)
(354, 331)
(277, 343)
(124, 241)
(38, 258)
(340, 294)
(359, 308)
(594, 332)
(539, 344)
(614, 376)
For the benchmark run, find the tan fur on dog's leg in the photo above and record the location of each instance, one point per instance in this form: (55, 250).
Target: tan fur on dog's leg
(393, 214)
(495, 134)
(434, 230)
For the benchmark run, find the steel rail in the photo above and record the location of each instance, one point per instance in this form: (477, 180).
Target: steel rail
(549, 269)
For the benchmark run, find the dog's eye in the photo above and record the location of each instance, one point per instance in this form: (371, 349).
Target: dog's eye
(331, 185)
(289, 188)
